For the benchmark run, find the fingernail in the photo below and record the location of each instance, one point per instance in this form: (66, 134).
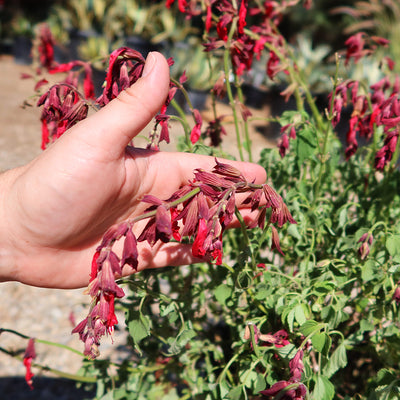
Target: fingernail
(149, 64)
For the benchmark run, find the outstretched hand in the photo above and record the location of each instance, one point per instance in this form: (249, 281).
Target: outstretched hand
(55, 210)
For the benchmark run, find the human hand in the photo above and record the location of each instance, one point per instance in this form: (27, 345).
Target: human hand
(55, 210)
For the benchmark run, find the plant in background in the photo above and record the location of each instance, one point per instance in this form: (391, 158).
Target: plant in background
(307, 312)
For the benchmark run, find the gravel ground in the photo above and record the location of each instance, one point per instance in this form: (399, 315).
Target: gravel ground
(36, 312)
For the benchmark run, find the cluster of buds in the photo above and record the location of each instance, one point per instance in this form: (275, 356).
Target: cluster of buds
(200, 211)
(291, 389)
(366, 241)
(379, 108)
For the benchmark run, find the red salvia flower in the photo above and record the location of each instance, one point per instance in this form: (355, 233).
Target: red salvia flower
(198, 244)
(196, 131)
(29, 356)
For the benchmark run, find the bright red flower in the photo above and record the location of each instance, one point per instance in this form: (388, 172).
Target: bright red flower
(196, 131)
(29, 356)
(242, 16)
(197, 247)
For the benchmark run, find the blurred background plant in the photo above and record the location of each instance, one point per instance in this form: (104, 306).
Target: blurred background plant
(374, 17)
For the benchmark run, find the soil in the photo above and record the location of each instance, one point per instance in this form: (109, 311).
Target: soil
(46, 313)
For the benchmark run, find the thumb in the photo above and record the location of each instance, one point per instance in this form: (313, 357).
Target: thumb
(116, 124)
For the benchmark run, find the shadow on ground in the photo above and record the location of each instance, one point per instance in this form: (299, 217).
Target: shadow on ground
(15, 388)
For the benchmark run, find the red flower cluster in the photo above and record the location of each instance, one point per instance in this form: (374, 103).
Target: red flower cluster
(361, 45)
(380, 107)
(277, 339)
(201, 211)
(249, 34)
(292, 389)
(63, 107)
(45, 47)
(64, 104)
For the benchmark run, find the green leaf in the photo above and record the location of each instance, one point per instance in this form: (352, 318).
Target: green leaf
(385, 376)
(393, 245)
(322, 288)
(368, 271)
(288, 351)
(300, 312)
(235, 393)
(323, 390)
(138, 326)
(222, 293)
(309, 327)
(321, 342)
(366, 326)
(306, 145)
(337, 360)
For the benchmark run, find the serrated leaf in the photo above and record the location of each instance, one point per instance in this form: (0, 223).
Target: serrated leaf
(138, 326)
(393, 245)
(300, 313)
(309, 327)
(337, 360)
(306, 145)
(323, 390)
(235, 393)
(288, 351)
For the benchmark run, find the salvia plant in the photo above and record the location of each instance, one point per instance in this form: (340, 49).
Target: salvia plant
(304, 302)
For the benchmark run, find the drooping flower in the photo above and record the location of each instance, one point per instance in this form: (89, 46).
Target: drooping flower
(196, 130)
(366, 241)
(29, 356)
(198, 244)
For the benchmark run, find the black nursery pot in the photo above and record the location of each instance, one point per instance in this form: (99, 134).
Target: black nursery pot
(140, 44)
(22, 50)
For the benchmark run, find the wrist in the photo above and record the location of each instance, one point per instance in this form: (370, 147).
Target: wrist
(8, 250)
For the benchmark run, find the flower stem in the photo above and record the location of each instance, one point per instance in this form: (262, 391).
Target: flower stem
(227, 70)
(245, 122)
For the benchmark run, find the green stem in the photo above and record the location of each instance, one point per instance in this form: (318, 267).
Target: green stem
(229, 89)
(245, 121)
(227, 366)
(174, 203)
(327, 129)
(183, 121)
(61, 374)
(245, 236)
(46, 342)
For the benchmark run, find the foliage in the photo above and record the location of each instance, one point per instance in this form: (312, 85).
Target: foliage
(311, 312)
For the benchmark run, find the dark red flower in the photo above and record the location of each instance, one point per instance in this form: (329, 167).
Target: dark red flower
(396, 294)
(45, 46)
(130, 252)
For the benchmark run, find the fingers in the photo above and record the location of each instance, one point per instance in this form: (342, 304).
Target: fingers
(114, 126)
(185, 164)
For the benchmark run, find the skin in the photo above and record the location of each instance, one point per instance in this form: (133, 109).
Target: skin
(55, 209)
